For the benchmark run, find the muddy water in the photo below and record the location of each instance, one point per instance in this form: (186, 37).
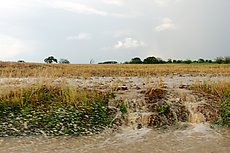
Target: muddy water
(198, 138)
(189, 138)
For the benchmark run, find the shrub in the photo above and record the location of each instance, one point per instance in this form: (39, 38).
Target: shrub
(64, 61)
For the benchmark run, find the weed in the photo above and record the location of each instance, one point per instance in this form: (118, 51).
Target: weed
(122, 107)
(54, 109)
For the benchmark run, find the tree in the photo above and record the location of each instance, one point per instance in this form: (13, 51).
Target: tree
(50, 60)
(188, 61)
(227, 59)
(21, 61)
(150, 60)
(135, 60)
(201, 60)
(169, 61)
(219, 60)
(64, 61)
(160, 61)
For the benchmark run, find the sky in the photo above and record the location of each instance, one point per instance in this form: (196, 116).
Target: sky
(102, 30)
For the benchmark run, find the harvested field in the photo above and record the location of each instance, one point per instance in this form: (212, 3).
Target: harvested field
(118, 70)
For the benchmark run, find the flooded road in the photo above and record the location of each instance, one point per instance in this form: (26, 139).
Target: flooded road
(198, 138)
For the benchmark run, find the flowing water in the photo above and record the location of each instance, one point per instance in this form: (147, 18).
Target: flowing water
(192, 138)
(197, 136)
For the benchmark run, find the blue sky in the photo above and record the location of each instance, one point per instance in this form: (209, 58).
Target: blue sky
(80, 30)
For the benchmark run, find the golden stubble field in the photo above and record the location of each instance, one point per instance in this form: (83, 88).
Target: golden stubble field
(14, 69)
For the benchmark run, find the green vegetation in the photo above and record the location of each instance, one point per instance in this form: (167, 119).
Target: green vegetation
(50, 60)
(64, 61)
(122, 107)
(157, 60)
(53, 110)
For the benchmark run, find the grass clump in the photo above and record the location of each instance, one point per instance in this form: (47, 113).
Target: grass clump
(220, 89)
(122, 107)
(53, 110)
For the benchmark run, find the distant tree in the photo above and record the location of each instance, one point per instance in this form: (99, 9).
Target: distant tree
(195, 61)
(174, 61)
(179, 61)
(136, 60)
(160, 61)
(208, 61)
(50, 60)
(201, 60)
(21, 61)
(64, 61)
(188, 61)
(219, 60)
(227, 59)
(126, 62)
(150, 60)
(109, 62)
(169, 61)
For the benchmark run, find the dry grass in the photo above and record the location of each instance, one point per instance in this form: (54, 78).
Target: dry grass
(10, 69)
(220, 88)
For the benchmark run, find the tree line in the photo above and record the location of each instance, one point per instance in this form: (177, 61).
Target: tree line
(157, 60)
(148, 60)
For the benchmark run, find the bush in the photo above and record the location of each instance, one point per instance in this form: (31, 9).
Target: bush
(64, 61)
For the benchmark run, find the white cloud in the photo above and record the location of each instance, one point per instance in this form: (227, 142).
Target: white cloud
(80, 36)
(162, 3)
(10, 47)
(114, 2)
(76, 7)
(167, 24)
(128, 43)
(165, 3)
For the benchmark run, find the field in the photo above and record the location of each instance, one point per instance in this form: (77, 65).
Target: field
(69, 99)
(119, 70)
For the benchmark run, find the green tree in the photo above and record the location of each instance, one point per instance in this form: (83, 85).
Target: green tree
(219, 60)
(169, 61)
(136, 60)
(227, 59)
(64, 61)
(50, 60)
(150, 60)
(201, 60)
(188, 61)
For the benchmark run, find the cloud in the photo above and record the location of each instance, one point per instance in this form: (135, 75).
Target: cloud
(129, 43)
(162, 3)
(10, 47)
(167, 24)
(80, 36)
(165, 3)
(114, 2)
(76, 7)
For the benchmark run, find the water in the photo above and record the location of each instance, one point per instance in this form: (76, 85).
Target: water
(192, 138)
(198, 137)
